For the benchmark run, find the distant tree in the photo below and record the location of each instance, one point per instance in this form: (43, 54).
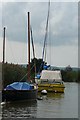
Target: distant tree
(78, 78)
(68, 68)
(68, 75)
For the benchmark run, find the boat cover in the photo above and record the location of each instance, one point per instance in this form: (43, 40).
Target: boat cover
(38, 76)
(51, 75)
(45, 67)
(19, 86)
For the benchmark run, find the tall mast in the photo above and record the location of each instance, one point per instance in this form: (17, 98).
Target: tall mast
(46, 32)
(28, 46)
(3, 57)
(4, 44)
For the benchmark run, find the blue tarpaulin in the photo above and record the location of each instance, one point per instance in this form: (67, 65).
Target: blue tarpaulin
(38, 76)
(19, 86)
(46, 66)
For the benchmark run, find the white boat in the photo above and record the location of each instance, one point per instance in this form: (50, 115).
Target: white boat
(50, 81)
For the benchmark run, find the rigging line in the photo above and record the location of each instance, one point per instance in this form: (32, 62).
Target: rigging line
(45, 56)
(26, 74)
(46, 29)
(11, 50)
(45, 42)
(32, 42)
(33, 49)
(50, 48)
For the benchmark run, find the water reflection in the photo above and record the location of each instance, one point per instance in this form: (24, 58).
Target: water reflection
(52, 96)
(52, 105)
(20, 109)
(29, 109)
(0, 106)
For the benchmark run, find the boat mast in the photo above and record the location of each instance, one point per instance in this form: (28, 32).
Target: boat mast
(4, 44)
(46, 34)
(3, 58)
(28, 46)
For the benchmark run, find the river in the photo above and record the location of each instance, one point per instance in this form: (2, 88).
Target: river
(54, 105)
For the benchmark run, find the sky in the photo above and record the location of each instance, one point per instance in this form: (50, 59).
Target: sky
(62, 40)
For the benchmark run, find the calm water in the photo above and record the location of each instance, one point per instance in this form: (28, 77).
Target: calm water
(52, 106)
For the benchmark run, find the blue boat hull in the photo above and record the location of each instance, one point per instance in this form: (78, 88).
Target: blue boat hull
(14, 95)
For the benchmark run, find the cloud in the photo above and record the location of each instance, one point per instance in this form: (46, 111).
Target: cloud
(1, 48)
(63, 56)
(62, 33)
(14, 18)
(0, 20)
(62, 23)
(16, 52)
(40, 0)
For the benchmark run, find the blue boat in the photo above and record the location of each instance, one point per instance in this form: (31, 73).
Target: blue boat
(20, 90)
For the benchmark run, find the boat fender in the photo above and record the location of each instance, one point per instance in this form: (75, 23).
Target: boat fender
(44, 92)
(55, 91)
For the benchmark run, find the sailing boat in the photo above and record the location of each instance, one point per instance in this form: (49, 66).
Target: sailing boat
(20, 90)
(49, 80)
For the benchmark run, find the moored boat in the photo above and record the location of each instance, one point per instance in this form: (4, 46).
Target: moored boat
(20, 90)
(50, 81)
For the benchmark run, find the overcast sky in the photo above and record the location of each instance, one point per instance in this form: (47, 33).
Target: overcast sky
(62, 41)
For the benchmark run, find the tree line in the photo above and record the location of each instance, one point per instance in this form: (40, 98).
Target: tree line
(15, 72)
(70, 75)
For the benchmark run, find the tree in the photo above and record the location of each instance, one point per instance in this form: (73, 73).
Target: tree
(68, 75)
(68, 68)
(38, 63)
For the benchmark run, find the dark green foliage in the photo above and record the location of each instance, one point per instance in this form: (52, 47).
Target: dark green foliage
(69, 75)
(78, 80)
(38, 63)
(12, 73)
(68, 68)
(36, 66)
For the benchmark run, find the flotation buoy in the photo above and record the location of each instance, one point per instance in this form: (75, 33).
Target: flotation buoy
(44, 92)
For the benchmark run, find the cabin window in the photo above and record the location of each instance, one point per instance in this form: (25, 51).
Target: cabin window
(44, 81)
